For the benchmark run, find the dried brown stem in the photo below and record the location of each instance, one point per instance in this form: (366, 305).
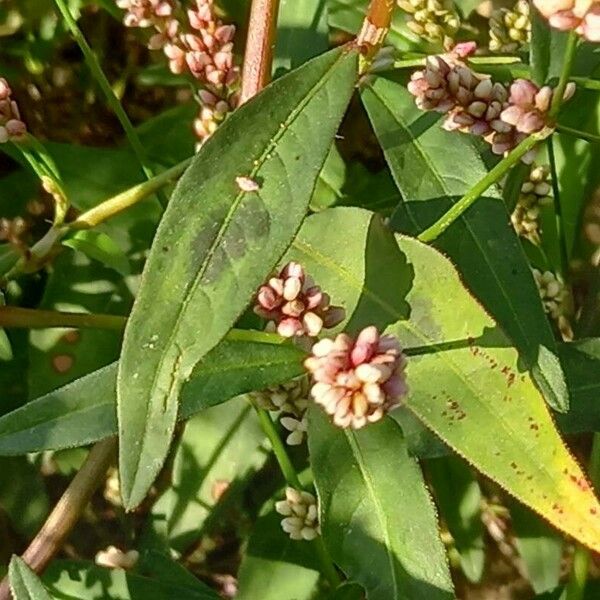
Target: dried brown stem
(258, 57)
(67, 511)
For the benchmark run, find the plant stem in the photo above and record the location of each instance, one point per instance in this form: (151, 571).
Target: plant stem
(31, 318)
(374, 29)
(583, 135)
(111, 98)
(515, 155)
(285, 464)
(258, 57)
(569, 57)
(291, 478)
(113, 206)
(560, 230)
(67, 511)
(581, 560)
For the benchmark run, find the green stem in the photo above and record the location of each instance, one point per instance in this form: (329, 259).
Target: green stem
(291, 478)
(108, 92)
(569, 57)
(113, 206)
(583, 135)
(560, 230)
(581, 560)
(515, 155)
(285, 464)
(31, 318)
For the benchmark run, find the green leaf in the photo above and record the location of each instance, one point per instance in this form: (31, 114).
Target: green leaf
(465, 380)
(301, 32)
(540, 547)
(24, 583)
(100, 247)
(348, 591)
(220, 446)
(84, 411)
(377, 517)
(81, 579)
(481, 242)
(6, 352)
(291, 565)
(546, 49)
(458, 498)
(216, 243)
(23, 497)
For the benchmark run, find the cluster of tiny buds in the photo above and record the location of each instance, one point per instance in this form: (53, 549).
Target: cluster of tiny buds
(535, 192)
(12, 128)
(200, 44)
(357, 381)
(301, 515)
(434, 20)
(113, 558)
(552, 291)
(582, 16)
(289, 401)
(474, 104)
(510, 29)
(294, 305)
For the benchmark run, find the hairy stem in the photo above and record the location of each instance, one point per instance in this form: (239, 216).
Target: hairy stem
(67, 511)
(32, 318)
(258, 57)
(515, 155)
(113, 206)
(111, 98)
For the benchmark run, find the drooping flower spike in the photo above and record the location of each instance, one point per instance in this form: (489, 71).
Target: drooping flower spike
(357, 381)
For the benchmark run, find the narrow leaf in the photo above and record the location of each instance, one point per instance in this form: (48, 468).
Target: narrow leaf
(100, 247)
(215, 244)
(377, 517)
(84, 411)
(24, 583)
(465, 380)
(481, 242)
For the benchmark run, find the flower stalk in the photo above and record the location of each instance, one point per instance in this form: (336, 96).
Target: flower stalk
(32, 318)
(494, 175)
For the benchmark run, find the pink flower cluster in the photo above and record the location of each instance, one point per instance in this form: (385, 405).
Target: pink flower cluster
(11, 126)
(357, 381)
(583, 16)
(198, 43)
(475, 104)
(295, 305)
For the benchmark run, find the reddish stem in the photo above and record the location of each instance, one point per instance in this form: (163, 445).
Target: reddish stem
(258, 58)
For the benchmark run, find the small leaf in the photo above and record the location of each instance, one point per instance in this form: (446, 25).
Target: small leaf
(540, 547)
(465, 380)
(377, 517)
(292, 569)
(458, 497)
(24, 583)
(481, 242)
(100, 247)
(84, 411)
(216, 243)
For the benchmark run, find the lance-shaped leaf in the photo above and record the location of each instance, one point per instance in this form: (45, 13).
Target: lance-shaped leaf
(229, 220)
(433, 168)
(83, 412)
(466, 382)
(377, 517)
(24, 583)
